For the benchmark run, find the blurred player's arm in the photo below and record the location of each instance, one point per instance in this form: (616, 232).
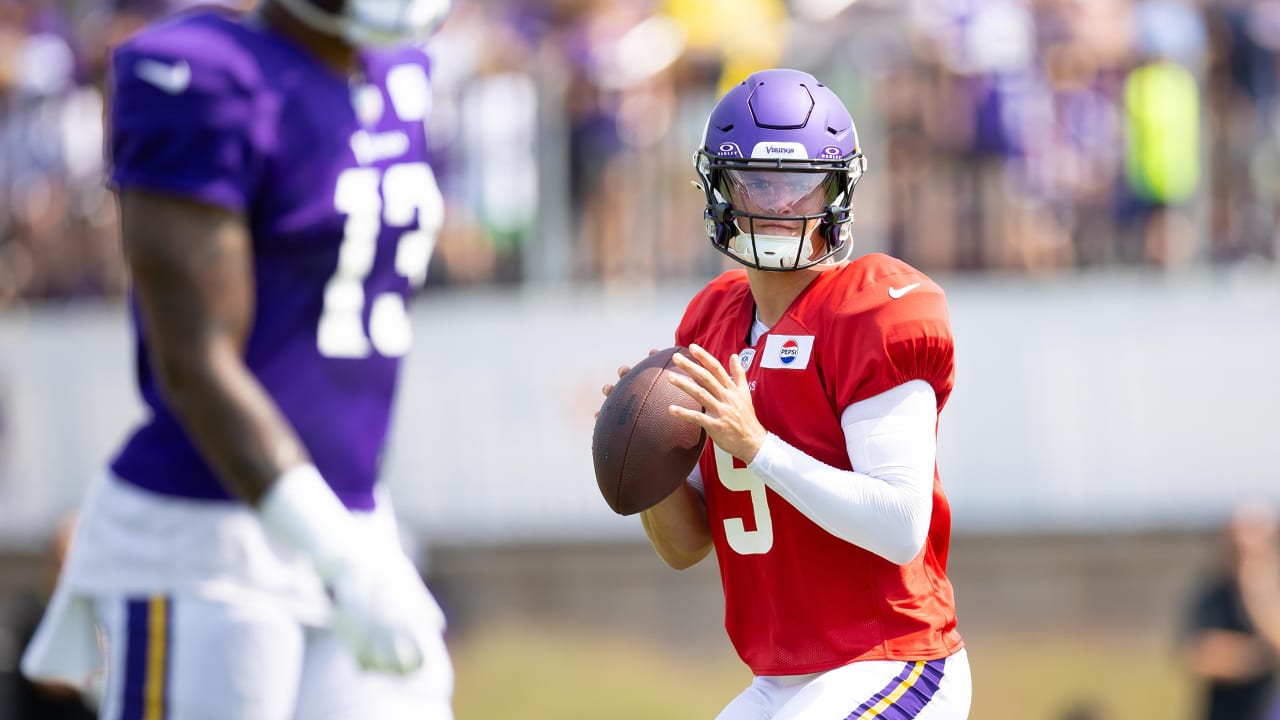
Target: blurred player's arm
(1216, 647)
(192, 266)
(1226, 655)
(1258, 573)
(677, 526)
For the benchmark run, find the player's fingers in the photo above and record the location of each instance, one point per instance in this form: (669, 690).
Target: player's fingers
(688, 415)
(407, 655)
(693, 390)
(736, 370)
(371, 657)
(699, 373)
(653, 351)
(623, 370)
(608, 388)
(710, 362)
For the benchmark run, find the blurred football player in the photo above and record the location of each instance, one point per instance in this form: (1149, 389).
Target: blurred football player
(822, 379)
(277, 210)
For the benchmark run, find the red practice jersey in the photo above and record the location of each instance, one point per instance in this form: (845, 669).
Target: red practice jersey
(798, 599)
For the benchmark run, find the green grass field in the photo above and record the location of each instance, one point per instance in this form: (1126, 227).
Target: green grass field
(563, 674)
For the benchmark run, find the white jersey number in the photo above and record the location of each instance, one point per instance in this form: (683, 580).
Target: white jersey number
(409, 198)
(740, 479)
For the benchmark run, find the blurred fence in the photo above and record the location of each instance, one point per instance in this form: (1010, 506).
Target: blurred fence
(1096, 403)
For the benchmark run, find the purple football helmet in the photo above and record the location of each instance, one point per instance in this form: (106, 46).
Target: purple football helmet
(779, 160)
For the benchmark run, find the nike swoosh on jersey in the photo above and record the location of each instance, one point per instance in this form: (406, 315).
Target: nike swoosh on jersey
(896, 293)
(173, 79)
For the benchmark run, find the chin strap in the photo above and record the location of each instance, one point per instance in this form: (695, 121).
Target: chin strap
(721, 229)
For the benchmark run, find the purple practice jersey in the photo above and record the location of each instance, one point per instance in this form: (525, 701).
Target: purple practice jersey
(331, 175)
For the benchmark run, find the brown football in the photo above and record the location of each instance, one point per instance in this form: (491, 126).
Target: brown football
(641, 451)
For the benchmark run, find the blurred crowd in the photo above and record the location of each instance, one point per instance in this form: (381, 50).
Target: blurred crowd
(1030, 136)
(1066, 134)
(57, 220)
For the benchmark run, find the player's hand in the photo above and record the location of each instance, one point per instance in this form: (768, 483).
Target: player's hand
(729, 417)
(382, 611)
(622, 371)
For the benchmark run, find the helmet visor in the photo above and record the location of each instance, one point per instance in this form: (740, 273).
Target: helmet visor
(770, 191)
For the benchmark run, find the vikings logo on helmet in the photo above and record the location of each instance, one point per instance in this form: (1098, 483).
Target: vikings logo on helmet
(764, 210)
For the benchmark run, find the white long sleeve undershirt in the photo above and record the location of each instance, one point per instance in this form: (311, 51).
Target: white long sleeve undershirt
(884, 507)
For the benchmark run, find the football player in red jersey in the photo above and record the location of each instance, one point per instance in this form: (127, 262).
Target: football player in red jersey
(822, 378)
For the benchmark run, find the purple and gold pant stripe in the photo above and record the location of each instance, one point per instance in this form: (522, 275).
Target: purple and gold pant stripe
(146, 658)
(905, 695)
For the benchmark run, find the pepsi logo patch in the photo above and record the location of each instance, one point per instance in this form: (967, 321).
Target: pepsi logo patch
(787, 352)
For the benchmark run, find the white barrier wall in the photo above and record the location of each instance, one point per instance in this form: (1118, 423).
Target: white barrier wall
(1082, 403)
